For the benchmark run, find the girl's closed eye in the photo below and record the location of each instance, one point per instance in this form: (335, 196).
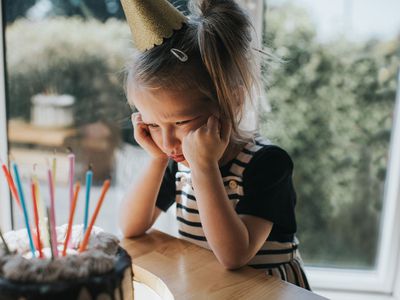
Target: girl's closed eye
(182, 122)
(179, 123)
(153, 125)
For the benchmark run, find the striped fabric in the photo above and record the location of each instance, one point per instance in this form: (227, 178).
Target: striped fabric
(277, 259)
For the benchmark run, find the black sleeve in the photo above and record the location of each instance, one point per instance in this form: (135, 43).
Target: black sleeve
(166, 195)
(268, 189)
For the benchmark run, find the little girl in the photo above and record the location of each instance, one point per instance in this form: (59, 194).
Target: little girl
(233, 190)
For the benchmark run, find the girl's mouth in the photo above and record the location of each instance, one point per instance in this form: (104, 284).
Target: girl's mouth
(177, 158)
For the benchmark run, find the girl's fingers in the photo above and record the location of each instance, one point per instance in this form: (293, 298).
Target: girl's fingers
(220, 125)
(140, 129)
(136, 118)
(212, 124)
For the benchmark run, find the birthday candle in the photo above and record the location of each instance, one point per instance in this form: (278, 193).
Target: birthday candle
(52, 214)
(41, 208)
(53, 172)
(71, 218)
(51, 243)
(35, 213)
(22, 200)
(85, 241)
(54, 166)
(89, 176)
(71, 158)
(11, 184)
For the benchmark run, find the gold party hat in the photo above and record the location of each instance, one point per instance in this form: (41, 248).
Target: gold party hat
(151, 21)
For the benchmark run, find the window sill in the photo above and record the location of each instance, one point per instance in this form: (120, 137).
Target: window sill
(339, 295)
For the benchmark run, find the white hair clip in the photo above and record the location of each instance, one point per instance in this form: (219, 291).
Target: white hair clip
(179, 54)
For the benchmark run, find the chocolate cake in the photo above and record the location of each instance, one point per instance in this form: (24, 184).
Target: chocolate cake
(103, 271)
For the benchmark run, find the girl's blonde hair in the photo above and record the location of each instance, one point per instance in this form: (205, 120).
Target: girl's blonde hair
(217, 39)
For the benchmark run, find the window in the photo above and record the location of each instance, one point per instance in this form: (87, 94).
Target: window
(64, 64)
(331, 103)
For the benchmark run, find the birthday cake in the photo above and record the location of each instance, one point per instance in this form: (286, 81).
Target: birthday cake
(103, 271)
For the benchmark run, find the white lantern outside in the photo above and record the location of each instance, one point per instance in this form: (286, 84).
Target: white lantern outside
(52, 110)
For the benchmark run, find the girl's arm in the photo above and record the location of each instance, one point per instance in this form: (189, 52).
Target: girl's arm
(234, 239)
(138, 211)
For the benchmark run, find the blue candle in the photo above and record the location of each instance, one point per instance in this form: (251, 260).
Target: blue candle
(22, 199)
(89, 175)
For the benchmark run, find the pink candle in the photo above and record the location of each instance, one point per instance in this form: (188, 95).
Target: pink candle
(52, 214)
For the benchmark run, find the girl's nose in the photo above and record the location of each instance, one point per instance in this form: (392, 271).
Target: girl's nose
(171, 142)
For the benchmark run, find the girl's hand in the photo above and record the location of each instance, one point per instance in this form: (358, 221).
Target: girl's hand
(143, 137)
(207, 143)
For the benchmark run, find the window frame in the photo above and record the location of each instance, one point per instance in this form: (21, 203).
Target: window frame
(5, 203)
(384, 281)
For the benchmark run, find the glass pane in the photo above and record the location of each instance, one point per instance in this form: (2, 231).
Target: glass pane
(65, 62)
(330, 104)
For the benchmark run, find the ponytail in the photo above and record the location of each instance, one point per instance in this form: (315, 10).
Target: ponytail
(224, 41)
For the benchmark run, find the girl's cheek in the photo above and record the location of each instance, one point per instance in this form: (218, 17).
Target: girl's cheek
(156, 136)
(185, 131)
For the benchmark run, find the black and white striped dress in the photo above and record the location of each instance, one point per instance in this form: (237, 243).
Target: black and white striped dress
(258, 182)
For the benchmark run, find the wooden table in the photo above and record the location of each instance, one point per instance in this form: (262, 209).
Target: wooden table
(177, 269)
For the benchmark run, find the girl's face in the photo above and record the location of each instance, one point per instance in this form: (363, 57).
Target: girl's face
(171, 115)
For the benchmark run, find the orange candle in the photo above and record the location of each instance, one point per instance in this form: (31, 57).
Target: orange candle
(11, 184)
(85, 241)
(36, 217)
(71, 217)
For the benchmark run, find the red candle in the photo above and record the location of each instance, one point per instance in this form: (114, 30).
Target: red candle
(71, 218)
(85, 241)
